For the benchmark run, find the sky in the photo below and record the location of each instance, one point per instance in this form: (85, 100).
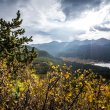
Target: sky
(60, 20)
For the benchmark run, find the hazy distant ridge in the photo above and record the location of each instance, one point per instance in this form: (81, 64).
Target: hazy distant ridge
(86, 49)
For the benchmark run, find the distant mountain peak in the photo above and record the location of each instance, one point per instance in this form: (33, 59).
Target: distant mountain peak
(102, 39)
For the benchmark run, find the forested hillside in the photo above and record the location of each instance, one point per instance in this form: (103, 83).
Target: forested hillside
(86, 49)
(41, 53)
(61, 88)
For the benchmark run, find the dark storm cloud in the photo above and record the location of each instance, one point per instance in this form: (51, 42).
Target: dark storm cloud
(104, 26)
(101, 28)
(8, 8)
(74, 8)
(8, 2)
(12, 2)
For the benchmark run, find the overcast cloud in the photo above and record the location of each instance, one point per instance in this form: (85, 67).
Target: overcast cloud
(60, 20)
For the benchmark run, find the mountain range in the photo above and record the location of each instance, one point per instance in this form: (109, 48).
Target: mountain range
(87, 49)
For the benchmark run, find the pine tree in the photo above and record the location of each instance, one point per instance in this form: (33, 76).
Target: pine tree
(12, 45)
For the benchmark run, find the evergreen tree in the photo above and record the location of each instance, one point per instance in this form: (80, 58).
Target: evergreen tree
(12, 45)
